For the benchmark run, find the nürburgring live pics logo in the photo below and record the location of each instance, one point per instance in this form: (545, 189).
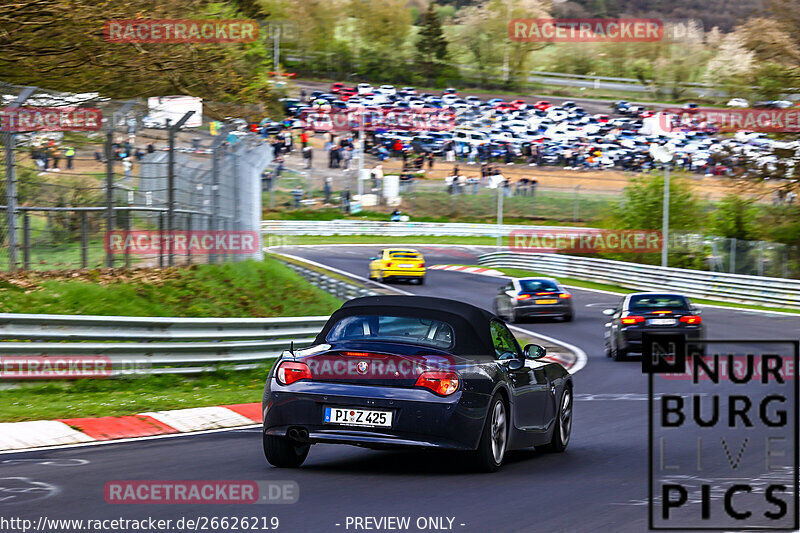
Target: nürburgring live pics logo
(723, 433)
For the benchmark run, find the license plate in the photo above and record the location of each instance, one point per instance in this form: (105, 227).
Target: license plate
(546, 301)
(661, 322)
(349, 416)
(406, 265)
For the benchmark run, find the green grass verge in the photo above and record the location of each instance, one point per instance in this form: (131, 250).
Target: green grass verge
(125, 396)
(424, 205)
(516, 272)
(244, 289)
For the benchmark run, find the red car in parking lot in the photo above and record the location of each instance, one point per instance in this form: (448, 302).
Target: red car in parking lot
(542, 105)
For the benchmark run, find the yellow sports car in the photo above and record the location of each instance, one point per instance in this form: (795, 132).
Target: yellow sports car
(396, 264)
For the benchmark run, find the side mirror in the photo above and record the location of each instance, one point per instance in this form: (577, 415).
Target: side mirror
(535, 351)
(372, 258)
(515, 364)
(609, 312)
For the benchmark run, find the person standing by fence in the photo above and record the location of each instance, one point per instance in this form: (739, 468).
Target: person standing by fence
(297, 193)
(69, 153)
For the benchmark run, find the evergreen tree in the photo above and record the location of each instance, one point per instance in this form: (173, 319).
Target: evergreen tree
(432, 45)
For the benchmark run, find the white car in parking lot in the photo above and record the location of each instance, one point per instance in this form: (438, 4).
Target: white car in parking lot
(387, 89)
(364, 88)
(738, 102)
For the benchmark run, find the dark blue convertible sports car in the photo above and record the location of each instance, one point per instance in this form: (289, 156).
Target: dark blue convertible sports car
(389, 371)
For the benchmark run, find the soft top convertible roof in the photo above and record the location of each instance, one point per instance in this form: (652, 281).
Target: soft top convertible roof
(470, 324)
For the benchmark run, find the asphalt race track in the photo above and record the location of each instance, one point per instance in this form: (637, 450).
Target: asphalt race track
(599, 484)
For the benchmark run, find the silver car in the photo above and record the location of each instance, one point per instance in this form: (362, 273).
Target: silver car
(533, 297)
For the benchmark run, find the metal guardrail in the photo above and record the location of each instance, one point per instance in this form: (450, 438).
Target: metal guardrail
(338, 288)
(156, 345)
(392, 229)
(165, 345)
(737, 288)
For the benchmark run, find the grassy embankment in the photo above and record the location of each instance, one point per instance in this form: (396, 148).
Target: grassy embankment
(245, 289)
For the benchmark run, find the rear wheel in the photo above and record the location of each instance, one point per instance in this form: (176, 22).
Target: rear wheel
(284, 452)
(421, 281)
(568, 317)
(492, 447)
(619, 354)
(563, 429)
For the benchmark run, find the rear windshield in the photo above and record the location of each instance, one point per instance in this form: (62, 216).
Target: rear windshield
(537, 285)
(658, 301)
(393, 329)
(404, 255)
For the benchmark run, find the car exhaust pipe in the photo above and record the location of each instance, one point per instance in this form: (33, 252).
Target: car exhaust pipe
(298, 434)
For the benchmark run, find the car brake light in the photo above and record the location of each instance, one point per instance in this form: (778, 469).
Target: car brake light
(443, 383)
(633, 319)
(388, 265)
(543, 293)
(356, 354)
(422, 265)
(692, 319)
(523, 296)
(291, 371)
(565, 295)
(661, 312)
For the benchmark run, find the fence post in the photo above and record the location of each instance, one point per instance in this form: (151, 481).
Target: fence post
(161, 239)
(732, 264)
(188, 238)
(109, 189)
(171, 131)
(127, 232)
(10, 139)
(26, 241)
(84, 240)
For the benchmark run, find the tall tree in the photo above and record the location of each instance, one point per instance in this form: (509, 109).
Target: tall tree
(431, 45)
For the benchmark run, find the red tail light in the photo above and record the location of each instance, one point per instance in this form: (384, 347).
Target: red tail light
(543, 293)
(422, 265)
(291, 371)
(692, 319)
(662, 312)
(633, 319)
(388, 265)
(443, 383)
(523, 296)
(356, 354)
(565, 295)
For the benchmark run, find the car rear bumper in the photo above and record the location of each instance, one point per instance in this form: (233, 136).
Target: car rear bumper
(559, 309)
(419, 417)
(633, 337)
(404, 273)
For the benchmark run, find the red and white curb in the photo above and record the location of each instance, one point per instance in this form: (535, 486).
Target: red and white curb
(39, 433)
(468, 269)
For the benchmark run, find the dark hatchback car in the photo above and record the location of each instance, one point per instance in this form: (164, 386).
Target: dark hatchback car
(533, 297)
(651, 312)
(415, 371)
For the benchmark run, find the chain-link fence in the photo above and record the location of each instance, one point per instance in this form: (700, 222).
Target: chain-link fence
(124, 195)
